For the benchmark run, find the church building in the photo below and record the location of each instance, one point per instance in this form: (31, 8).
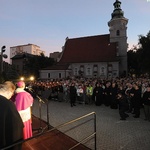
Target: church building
(102, 56)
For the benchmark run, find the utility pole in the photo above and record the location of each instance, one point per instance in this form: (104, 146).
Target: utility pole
(1, 58)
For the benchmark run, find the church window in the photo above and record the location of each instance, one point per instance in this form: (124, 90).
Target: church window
(95, 68)
(110, 67)
(75, 71)
(82, 68)
(118, 33)
(59, 75)
(102, 69)
(49, 75)
(88, 71)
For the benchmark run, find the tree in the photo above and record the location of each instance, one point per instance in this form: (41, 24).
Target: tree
(138, 56)
(34, 64)
(132, 62)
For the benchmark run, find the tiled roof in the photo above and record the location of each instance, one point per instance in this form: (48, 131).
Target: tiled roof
(89, 49)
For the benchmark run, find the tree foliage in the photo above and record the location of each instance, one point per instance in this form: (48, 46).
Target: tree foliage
(36, 63)
(139, 56)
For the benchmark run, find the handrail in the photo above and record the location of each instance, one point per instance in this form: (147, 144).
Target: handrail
(60, 126)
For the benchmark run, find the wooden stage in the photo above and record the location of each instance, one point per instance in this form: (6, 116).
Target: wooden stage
(54, 140)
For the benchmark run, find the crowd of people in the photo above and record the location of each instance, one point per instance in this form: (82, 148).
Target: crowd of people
(128, 95)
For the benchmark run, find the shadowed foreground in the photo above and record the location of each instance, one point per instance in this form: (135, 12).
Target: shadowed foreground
(54, 140)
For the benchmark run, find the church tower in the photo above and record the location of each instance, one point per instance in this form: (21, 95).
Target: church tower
(118, 33)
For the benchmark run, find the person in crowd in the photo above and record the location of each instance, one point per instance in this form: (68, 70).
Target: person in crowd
(66, 92)
(113, 95)
(60, 92)
(131, 109)
(143, 89)
(54, 93)
(73, 94)
(98, 94)
(46, 93)
(23, 101)
(136, 100)
(11, 125)
(107, 94)
(89, 93)
(123, 105)
(80, 93)
(85, 99)
(128, 91)
(146, 102)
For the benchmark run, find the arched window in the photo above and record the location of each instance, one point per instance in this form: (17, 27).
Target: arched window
(75, 71)
(89, 71)
(118, 33)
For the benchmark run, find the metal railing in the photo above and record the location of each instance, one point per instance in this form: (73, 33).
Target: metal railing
(63, 125)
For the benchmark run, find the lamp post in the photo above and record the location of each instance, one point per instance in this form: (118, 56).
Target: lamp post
(1, 57)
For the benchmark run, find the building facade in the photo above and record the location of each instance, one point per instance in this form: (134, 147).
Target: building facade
(55, 55)
(20, 61)
(103, 56)
(29, 48)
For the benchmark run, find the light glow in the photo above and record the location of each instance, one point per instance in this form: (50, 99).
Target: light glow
(22, 78)
(31, 78)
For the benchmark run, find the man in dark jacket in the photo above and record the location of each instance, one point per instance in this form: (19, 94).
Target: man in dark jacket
(73, 94)
(136, 100)
(11, 125)
(98, 94)
(123, 105)
(146, 102)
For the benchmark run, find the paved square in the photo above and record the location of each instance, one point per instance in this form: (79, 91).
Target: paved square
(112, 134)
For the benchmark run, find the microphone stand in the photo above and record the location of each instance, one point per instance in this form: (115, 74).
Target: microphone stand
(39, 104)
(47, 104)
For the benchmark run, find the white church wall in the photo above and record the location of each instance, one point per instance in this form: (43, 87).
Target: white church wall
(53, 74)
(89, 70)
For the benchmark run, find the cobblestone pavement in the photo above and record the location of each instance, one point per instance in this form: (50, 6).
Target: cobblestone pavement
(112, 133)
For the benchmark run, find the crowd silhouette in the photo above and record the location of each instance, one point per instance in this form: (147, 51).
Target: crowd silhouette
(135, 93)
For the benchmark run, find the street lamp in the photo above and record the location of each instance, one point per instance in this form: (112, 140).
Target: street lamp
(1, 57)
(31, 78)
(22, 78)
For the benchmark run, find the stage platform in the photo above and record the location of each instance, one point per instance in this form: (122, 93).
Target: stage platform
(54, 140)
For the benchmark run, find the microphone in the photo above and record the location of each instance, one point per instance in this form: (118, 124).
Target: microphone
(29, 88)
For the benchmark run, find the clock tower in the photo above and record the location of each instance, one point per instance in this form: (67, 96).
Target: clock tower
(118, 33)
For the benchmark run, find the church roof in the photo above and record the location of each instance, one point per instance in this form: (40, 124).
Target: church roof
(89, 49)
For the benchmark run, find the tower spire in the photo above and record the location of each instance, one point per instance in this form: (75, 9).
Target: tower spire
(117, 13)
(118, 33)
